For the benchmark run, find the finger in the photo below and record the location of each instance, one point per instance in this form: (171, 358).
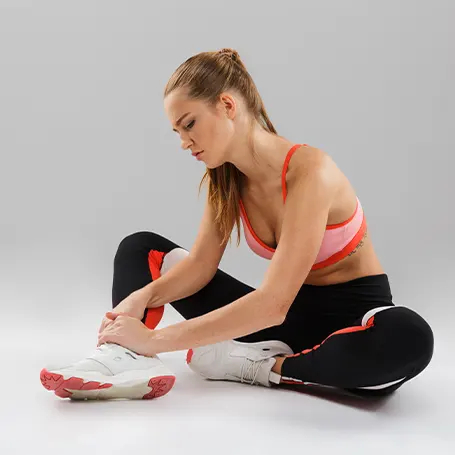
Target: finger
(102, 326)
(105, 323)
(107, 329)
(112, 316)
(107, 337)
(103, 339)
(109, 323)
(101, 334)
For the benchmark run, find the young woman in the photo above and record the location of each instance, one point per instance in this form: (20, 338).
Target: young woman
(324, 313)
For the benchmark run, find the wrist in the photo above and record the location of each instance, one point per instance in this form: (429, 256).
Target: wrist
(156, 342)
(148, 293)
(141, 298)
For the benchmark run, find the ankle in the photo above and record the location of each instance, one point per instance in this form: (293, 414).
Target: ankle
(278, 364)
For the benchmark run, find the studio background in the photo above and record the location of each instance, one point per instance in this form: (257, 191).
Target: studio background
(87, 155)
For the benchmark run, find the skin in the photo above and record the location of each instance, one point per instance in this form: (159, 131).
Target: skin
(223, 134)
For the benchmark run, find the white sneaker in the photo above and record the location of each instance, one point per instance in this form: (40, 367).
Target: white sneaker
(111, 371)
(232, 360)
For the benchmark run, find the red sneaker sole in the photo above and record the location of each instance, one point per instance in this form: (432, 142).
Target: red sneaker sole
(53, 381)
(160, 386)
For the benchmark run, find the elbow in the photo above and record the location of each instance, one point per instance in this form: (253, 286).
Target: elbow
(280, 317)
(277, 314)
(275, 309)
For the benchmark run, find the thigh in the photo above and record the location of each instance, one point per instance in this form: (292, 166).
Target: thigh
(319, 311)
(385, 348)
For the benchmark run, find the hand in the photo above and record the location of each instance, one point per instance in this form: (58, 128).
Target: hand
(128, 332)
(134, 305)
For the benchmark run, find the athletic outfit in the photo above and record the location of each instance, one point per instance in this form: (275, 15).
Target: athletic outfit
(339, 239)
(348, 335)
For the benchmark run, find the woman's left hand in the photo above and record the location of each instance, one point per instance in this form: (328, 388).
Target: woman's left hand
(128, 332)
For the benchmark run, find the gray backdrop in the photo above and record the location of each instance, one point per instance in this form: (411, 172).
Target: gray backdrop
(88, 155)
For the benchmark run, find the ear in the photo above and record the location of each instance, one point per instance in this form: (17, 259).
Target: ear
(229, 104)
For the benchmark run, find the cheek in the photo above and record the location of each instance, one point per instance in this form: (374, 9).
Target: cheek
(206, 138)
(221, 134)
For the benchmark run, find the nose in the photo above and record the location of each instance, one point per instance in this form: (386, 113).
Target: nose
(186, 141)
(186, 145)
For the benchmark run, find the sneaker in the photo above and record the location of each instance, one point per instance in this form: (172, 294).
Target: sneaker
(232, 360)
(111, 371)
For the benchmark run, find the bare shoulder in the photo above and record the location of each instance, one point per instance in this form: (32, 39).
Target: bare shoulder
(308, 161)
(312, 161)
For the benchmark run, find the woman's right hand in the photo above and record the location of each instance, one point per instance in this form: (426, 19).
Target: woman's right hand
(134, 305)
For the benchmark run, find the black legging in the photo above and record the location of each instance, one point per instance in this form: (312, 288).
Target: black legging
(370, 358)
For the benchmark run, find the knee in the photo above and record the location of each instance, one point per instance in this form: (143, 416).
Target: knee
(142, 242)
(424, 339)
(130, 242)
(139, 239)
(415, 336)
(134, 239)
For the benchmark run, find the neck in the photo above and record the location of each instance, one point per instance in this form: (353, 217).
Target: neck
(264, 166)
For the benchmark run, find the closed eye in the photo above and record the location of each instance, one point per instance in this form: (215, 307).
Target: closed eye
(190, 125)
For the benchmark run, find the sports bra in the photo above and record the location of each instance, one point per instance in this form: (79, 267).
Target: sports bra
(339, 239)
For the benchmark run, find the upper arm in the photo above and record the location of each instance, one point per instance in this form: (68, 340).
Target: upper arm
(304, 223)
(206, 247)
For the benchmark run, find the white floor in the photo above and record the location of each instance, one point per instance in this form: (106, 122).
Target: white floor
(208, 417)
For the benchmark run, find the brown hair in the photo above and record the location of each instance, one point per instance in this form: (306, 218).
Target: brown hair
(205, 76)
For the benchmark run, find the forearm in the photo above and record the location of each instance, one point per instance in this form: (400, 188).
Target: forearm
(246, 315)
(183, 279)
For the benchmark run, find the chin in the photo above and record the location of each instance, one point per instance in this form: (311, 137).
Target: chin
(214, 166)
(209, 164)
(218, 163)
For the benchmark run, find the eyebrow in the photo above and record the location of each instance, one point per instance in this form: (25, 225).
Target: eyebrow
(180, 120)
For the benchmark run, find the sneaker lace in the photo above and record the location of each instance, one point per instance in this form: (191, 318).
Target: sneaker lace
(250, 370)
(108, 346)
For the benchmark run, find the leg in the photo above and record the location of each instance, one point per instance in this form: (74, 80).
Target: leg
(143, 256)
(375, 356)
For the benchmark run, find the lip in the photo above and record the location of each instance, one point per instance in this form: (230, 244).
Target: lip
(198, 154)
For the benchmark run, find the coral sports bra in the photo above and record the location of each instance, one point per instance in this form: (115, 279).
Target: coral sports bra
(339, 239)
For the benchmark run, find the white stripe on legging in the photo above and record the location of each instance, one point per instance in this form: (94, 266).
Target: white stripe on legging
(371, 387)
(173, 257)
(373, 311)
(381, 386)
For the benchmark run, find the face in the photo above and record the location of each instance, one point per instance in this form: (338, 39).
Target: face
(202, 128)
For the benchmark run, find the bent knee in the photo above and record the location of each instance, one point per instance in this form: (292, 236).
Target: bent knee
(145, 241)
(410, 333)
(137, 238)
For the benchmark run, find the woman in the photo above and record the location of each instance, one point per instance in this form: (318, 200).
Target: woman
(324, 313)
